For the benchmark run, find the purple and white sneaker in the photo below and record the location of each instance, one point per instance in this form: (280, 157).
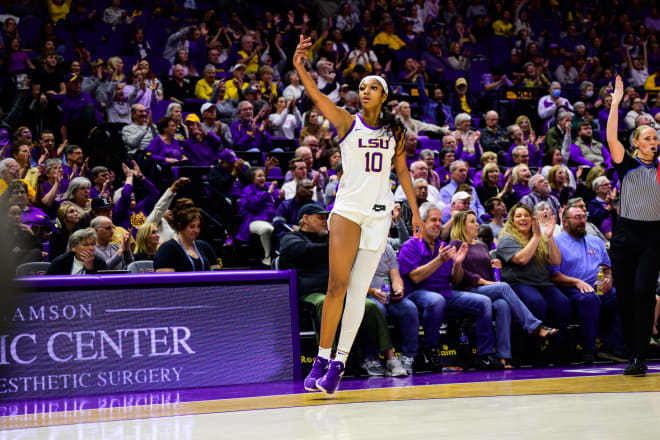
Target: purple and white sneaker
(318, 370)
(330, 381)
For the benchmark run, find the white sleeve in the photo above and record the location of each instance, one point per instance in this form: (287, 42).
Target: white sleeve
(161, 206)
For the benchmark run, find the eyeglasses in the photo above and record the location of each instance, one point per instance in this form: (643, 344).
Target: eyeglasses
(308, 186)
(578, 218)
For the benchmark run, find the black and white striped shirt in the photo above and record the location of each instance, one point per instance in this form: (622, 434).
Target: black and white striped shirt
(640, 190)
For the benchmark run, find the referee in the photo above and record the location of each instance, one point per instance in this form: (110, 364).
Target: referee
(635, 244)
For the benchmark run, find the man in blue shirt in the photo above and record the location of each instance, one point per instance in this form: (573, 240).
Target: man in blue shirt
(429, 268)
(583, 256)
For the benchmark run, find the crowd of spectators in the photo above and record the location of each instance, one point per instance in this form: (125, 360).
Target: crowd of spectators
(112, 111)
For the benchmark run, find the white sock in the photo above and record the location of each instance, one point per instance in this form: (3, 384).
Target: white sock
(324, 353)
(341, 356)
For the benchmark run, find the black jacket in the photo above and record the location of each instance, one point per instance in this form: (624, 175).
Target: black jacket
(62, 265)
(308, 254)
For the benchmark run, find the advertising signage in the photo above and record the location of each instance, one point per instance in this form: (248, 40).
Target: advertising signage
(73, 336)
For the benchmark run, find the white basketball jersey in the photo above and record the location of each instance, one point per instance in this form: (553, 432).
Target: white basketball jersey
(366, 158)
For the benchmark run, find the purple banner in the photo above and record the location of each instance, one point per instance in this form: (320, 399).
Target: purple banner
(115, 337)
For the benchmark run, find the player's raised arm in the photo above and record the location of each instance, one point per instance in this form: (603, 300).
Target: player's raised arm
(339, 117)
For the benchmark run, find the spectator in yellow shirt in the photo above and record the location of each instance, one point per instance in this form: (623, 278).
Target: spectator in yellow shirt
(58, 9)
(503, 26)
(388, 37)
(249, 55)
(204, 87)
(231, 86)
(268, 87)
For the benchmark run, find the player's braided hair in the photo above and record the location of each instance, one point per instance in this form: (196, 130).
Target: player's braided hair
(394, 125)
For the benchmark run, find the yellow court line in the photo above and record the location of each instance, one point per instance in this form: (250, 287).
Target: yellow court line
(570, 385)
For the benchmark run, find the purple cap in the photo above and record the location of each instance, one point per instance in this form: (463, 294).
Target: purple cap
(228, 156)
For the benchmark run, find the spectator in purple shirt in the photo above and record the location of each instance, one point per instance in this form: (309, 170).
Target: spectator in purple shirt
(534, 156)
(79, 115)
(257, 207)
(127, 213)
(166, 149)
(200, 149)
(51, 191)
(435, 63)
(99, 176)
(429, 268)
(247, 133)
(32, 217)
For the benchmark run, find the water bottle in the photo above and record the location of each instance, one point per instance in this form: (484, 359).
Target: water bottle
(463, 340)
(599, 282)
(386, 289)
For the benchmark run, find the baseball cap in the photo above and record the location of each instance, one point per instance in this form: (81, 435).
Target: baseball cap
(516, 51)
(98, 62)
(101, 202)
(239, 66)
(309, 209)
(228, 156)
(252, 89)
(461, 195)
(206, 106)
(461, 82)
(71, 77)
(192, 118)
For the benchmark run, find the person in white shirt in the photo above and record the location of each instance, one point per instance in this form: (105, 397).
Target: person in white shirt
(639, 71)
(286, 118)
(549, 104)
(419, 170)
(299, 172)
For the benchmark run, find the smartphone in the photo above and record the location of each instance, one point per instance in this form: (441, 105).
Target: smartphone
(21, 81)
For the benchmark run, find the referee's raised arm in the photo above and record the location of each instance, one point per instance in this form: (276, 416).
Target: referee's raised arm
(616, 148)
(339, 117)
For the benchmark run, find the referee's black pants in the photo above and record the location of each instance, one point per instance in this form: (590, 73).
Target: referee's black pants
(635, 254)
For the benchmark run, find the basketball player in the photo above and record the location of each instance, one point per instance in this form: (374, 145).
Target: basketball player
(370, 143)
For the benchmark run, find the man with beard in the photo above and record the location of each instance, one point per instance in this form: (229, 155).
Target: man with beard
(590, 227)
(588, 151)
(583, 257)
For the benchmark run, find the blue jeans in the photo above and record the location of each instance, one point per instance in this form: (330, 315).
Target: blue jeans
(547, 303)
(404, 311)
(481, 307)
(432, 305)
(519, 310)
(506, 303)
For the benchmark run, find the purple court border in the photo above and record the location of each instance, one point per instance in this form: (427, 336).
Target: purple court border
(172, 397)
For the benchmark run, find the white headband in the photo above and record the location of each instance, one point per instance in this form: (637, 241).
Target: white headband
(377, 78)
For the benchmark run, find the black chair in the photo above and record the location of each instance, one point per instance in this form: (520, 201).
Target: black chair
(283, 143)
(254, 158)
(284, 158)
(32, 269)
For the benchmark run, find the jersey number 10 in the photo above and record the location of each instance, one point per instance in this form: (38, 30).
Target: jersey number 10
(373, 162)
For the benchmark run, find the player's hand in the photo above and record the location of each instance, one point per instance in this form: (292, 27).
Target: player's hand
(418, 226)
(300, 56)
